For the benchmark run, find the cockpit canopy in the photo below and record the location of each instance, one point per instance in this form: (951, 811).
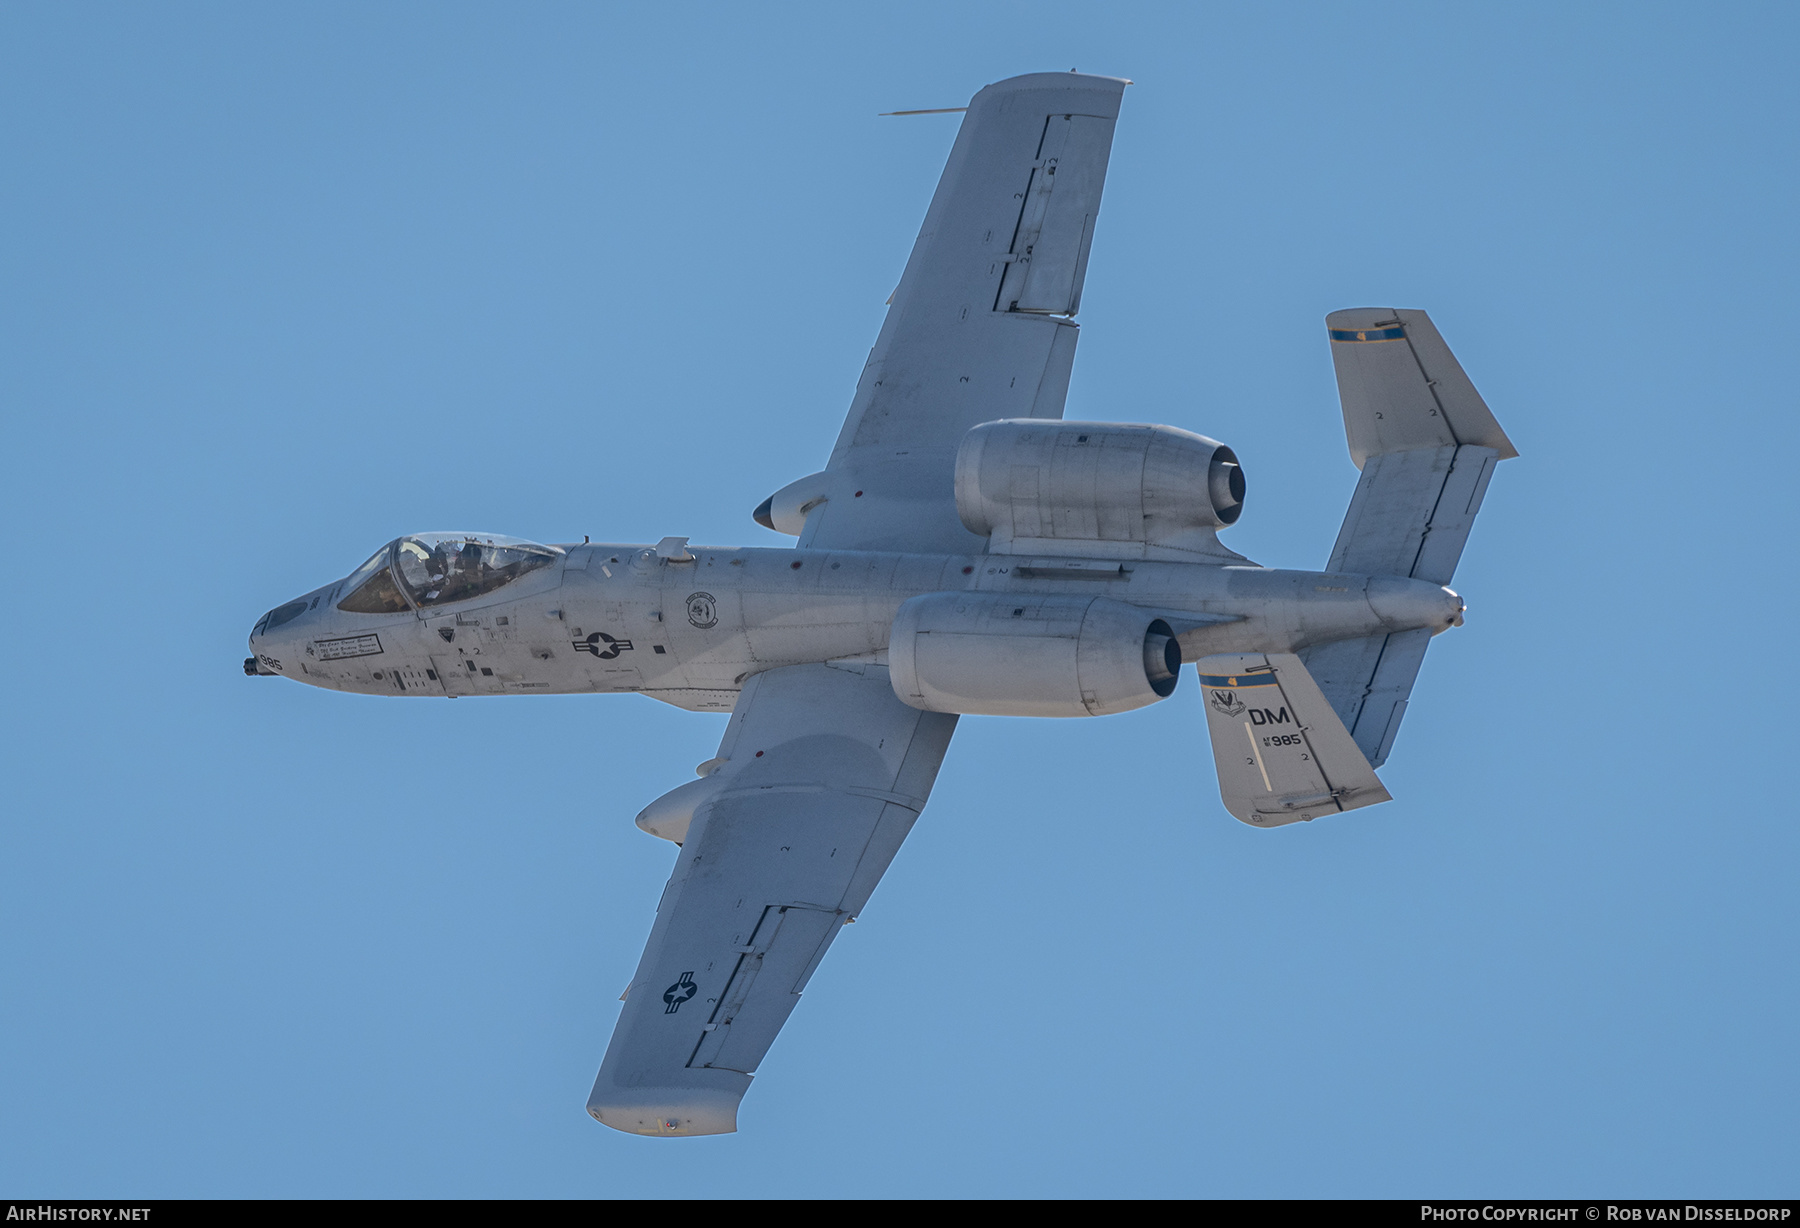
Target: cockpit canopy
(431, 569)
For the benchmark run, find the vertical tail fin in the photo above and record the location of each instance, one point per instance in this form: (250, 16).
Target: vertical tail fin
(1427, 445)
(1401, 387)
(1283, 755)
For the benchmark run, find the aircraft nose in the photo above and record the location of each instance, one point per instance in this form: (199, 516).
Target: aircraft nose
(265, 643)
(259, 639)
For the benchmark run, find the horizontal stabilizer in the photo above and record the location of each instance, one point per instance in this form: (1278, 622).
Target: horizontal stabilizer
(1410, 516)
(1412, 512)
(1368, 681)
(1427, 445)
(1283, 755)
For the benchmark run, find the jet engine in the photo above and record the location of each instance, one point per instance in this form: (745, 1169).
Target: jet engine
(999, 654)
(1110, 489)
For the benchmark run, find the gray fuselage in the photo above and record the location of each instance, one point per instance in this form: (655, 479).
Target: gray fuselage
(621, 618)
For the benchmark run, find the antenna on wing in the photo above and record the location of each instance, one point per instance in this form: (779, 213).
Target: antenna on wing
(932, 111)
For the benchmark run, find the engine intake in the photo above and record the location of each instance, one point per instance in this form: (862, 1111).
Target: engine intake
(1108, 489)
(1000, 654)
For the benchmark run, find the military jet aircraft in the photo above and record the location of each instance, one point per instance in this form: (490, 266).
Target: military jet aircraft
(965, 551)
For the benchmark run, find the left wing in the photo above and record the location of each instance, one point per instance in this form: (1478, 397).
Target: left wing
(825, 771)
(979, 327)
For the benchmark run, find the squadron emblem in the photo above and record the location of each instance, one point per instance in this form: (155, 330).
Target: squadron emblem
(1227, 702)
(702, 610)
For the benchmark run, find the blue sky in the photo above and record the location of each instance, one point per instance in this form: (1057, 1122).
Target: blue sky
(276, 286)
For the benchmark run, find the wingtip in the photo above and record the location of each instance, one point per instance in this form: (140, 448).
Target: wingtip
(1057, 81)
(666, 1112)
(1370, 317)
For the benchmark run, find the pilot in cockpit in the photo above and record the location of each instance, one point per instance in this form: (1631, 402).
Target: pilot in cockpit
(439, 562)
(439, 568)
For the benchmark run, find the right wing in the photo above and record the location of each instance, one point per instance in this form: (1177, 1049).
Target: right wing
(824, 772)
(979, 327)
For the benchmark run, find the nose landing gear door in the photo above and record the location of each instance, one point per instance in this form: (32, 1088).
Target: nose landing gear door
(451, 673)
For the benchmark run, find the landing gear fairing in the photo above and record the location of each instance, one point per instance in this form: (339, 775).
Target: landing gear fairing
(964, 551)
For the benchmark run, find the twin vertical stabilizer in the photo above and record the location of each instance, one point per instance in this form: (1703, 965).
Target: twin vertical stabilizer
(1282, 753)
(1300, 736)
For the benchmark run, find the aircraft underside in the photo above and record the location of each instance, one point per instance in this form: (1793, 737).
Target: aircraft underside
(965, 551)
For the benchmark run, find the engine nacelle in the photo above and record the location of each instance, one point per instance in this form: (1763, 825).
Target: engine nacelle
(999, 654)
(1107, 489)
